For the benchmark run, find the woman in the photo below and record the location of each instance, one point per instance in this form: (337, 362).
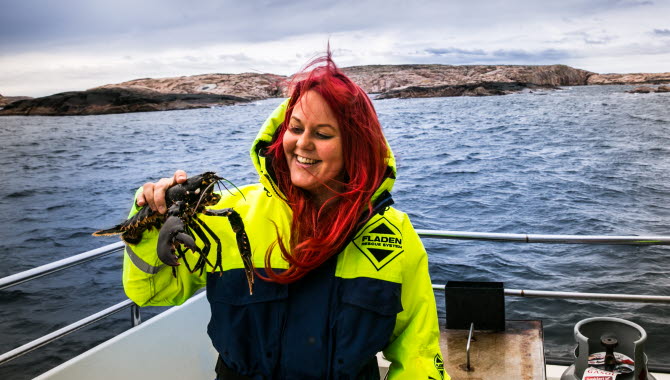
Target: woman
(340, 274)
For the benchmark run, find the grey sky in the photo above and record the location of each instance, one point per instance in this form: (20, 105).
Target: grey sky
(53, 46)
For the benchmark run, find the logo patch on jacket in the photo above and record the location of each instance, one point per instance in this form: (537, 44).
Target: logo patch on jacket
(380, 242)
(439, 365)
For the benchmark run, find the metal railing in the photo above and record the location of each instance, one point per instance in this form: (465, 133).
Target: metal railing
(56, 266)
(46, 339)
(551, 239)
(580, 296)
(59, 265)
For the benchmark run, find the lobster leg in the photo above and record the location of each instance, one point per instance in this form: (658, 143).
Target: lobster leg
(182, 253)
(207, 245)
(214, 236)
(243, 244)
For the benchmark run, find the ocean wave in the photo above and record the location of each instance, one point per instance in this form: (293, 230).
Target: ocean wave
(653, 118)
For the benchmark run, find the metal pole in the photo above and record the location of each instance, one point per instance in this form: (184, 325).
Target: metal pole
(56, 266)
(39, 342)
(588, 296)
(580, 296)
(467, 347)
(135, 315)
(553, 239)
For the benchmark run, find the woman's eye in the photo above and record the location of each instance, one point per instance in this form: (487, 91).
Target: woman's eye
(323, 136)
(295, 129)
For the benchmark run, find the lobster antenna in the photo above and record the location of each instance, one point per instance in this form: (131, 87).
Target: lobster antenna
(218, 185)
(225, 187)
(236, 188)
(202, 196)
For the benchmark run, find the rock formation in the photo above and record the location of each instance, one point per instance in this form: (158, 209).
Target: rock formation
(4, 100)
(114, 100)
(247, 85)
(648, 90)
(379, 79)
(653, 78)
(641, 90)
(387, 81)
(470, 89)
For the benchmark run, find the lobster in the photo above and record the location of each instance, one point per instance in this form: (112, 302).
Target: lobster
(181, 224)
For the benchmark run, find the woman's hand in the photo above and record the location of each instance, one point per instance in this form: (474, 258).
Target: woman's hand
(153, 193)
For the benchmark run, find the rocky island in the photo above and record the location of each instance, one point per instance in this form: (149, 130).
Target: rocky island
(385, 81)
(411, 81)
(4, 100)
(649, 90)
(114, 100)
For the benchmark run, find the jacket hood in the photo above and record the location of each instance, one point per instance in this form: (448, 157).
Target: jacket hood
(266, 136)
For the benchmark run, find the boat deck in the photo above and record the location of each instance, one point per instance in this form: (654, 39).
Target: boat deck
(516, 353)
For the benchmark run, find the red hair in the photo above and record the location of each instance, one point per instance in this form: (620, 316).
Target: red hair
(318, 233)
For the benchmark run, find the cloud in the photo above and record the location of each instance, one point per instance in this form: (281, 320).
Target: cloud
(537, 56)
(155, 24)
(92, 42)
(152, 25)
(455, 51)
(635, 3)
(498, 56)
(238, 58)
(590, 37)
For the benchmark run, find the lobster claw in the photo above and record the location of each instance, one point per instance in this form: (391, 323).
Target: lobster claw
(173, 232)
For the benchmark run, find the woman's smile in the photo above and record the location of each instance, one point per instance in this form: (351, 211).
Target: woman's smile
(306, 161)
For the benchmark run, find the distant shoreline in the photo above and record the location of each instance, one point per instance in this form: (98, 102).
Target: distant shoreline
(387, 81)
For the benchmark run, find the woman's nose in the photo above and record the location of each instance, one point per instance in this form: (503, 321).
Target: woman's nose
(304, 141)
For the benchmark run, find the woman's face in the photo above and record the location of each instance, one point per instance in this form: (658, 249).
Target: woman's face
(313, 146)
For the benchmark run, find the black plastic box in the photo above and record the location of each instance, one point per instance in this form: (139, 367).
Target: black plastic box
(480, 302)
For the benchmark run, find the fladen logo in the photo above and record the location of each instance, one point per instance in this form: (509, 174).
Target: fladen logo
(439, 365)
(380, 242)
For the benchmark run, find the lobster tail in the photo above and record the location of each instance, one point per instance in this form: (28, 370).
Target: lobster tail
(144, 219)
(108, 232)
(129, 236)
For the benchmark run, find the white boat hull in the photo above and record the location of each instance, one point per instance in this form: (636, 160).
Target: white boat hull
(174, 345)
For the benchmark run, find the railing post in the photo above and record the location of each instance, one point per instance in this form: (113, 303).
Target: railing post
(135, 315)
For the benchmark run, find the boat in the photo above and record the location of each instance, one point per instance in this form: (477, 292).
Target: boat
(175, 345)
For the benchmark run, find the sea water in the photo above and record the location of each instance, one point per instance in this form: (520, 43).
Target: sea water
(580, 160)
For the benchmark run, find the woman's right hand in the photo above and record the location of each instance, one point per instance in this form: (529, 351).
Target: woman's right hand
(153, 193)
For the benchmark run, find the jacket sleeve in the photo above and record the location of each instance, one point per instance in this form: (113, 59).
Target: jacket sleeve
(149, 282)
(414, 350)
